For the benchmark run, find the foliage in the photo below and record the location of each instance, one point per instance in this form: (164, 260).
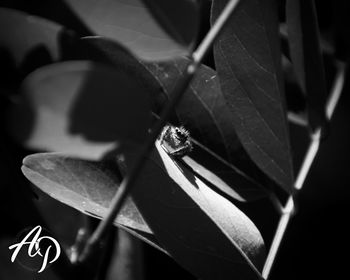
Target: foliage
(86, 85)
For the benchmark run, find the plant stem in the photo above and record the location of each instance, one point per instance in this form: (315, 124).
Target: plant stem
(311, 153)
(215, 30)
(336, 89)
(297, 119)
(180, 88)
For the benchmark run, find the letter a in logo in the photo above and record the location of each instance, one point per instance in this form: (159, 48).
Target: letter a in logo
(34, 247)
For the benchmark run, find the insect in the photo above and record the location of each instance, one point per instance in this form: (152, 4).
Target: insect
(175, 140)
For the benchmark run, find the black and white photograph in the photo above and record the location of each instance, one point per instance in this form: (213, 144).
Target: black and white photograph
(174, 139)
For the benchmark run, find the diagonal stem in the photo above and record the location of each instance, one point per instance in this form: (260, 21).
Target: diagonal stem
(311, 153)
(130, 178)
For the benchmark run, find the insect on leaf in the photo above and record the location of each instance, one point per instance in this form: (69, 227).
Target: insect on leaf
(200, 229)
(209, 115)
(204, 111)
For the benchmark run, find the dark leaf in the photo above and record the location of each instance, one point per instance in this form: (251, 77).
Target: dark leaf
(247, 58)
(126, 261)
(295, 98)
(81, 108)
(31, 41)
(179, 18)
(52, 213)
(305, 52)
(107, 51)
(200, 229)
(131, 24)
(86, 186)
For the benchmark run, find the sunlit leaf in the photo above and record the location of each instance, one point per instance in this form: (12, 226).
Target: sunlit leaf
(130, 23)
(225, 178)
(200, 229)
(247, 59)
(81, 108)
(305, 52)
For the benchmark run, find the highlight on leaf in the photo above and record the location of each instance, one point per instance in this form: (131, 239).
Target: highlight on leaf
(201, 230)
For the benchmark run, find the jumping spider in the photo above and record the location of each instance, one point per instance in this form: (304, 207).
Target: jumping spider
(175, 140)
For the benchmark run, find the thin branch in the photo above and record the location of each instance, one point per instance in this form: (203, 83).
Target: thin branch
(215, 30)
(336, 89)
(281, 228)
(308, 159)
(311, 153)
(297, 119)
(130, 178)
(276, 203)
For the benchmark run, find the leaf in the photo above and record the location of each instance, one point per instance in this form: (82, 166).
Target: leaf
(31, 41)
(130, 23)
(87, 186)
(180, 19)
(81, 108)
(247, 59)
(225, 179)
(107, 51)
(305, 52)
(205, 113)
(209, 115)
(194, 224)
(51, 212)
(201, 230)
